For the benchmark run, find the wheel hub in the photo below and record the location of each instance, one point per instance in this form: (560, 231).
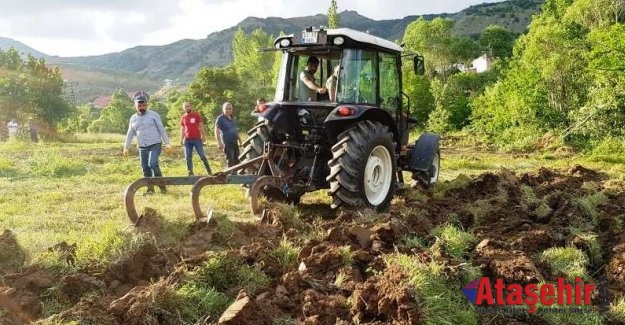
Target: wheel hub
(378, 175)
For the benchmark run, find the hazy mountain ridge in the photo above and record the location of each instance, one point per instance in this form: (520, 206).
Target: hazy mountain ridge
(182, 59)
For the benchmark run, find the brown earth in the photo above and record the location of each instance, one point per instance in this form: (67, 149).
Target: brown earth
(340, 277)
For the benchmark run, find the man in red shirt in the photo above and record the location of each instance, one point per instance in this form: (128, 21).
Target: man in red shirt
(192, 136)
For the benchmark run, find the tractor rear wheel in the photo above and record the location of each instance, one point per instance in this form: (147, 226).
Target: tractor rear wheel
(254, 145)
(363, 167)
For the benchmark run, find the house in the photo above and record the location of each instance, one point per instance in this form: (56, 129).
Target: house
(103, 101)
(481, 64)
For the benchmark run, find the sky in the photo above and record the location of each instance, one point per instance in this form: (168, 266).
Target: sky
(93, 27)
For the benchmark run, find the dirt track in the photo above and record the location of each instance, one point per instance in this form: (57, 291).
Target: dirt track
(514, 217)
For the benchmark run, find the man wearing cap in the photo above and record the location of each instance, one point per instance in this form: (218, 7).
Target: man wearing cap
(148, 127)
(308, 88)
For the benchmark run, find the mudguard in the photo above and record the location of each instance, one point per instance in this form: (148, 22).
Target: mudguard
(424, 150)
(335, 124)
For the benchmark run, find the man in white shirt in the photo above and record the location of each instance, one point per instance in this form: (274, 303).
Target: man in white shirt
(308, 87)
(148, 127)
(13, 127)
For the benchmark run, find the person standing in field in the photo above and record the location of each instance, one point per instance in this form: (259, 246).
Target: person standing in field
(147, 126)
(12, 126)
(259, 101)
(32, 130)
(227, 134)
(192, 136)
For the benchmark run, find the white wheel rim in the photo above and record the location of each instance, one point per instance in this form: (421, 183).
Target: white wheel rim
(378, 175)
(436, 164)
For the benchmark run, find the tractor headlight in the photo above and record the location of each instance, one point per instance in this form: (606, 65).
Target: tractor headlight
(285, 42)
(338, 40)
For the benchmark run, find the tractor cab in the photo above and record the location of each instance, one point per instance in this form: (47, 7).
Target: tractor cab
(367, 68)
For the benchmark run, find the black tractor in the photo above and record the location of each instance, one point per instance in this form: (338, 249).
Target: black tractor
(350, 137)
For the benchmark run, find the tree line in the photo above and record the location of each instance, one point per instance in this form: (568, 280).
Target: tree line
(563, 78)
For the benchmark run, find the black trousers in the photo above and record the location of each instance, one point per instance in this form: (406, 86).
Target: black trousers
(232, 153)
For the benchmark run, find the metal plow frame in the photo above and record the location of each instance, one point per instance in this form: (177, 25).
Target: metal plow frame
(256, 182)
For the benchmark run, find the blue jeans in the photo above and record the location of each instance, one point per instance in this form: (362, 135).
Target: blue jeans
(189, 144)
(149, 161)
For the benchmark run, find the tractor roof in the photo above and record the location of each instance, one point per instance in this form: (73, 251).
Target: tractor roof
(352, 38)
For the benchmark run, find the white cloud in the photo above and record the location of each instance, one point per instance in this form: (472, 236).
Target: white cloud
(91, 27)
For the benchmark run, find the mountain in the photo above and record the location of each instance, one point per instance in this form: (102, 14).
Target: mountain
(7, 43)
(179, 61)
(182, 59)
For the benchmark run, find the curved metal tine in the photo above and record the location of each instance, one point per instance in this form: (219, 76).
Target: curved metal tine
(129, 199)
(220, 178)
(260, 183)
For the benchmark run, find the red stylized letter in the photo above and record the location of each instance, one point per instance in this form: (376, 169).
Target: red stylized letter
(588, 292)
(569, 292)
(499, 286)
(515, 294)
(531, 298)
(484, 292)
(546, 294)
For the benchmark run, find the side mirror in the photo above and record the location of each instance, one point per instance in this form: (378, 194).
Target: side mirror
(419, 65)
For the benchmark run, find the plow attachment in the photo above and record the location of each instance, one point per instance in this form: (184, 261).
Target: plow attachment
(256, 184)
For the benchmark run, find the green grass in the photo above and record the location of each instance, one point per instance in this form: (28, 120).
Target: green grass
(226, 273)
(617, 309)
(409, 242)
(72, 191)
(195, 302)
(441, 298)
(286, 253)
(346, 255)
(55, 192)
(591, 240)
(588, 204)
(566, 261)
(455, 241)
(210, 288)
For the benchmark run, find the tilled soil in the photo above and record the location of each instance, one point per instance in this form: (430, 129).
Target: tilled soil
(340, 276)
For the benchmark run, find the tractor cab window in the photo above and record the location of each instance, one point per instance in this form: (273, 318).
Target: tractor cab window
(358, 77)
(310, 66)
(390, 96)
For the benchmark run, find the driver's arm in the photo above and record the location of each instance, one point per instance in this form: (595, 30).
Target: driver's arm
(310, 83)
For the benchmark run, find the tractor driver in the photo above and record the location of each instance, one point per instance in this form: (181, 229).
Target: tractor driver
(308, 88)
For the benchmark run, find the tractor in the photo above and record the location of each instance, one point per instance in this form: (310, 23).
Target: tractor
(355, 145)
(353, 141)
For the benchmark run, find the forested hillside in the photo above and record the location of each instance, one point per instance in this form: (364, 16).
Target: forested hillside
(182, 59)
(559, 84)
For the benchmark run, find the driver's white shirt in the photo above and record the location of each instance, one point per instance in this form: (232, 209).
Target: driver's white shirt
(306, 94)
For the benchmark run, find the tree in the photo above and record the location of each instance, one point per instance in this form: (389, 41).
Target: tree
(440, 48)
(79, 119)
(333, 16)
(29, 89)
(114, 118)
(565, 76)
(497, 42)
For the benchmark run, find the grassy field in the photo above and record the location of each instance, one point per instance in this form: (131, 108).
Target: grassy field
(61, 191)
(71, 191)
